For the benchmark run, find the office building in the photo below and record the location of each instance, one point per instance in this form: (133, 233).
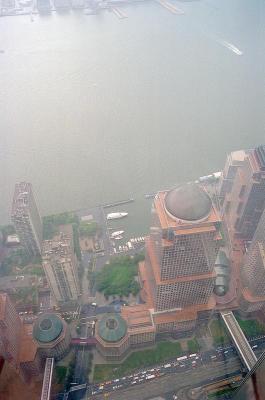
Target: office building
(10, 330)
(61, 266)
(233, 162)
(26, 218)
(253, 271)
(243, 189)
(16, 344)
(177, 278)
(181, 253)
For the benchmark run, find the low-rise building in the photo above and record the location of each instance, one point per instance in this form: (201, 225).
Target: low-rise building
(52, 336)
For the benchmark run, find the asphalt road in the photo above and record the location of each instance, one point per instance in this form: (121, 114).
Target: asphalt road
(174, 381)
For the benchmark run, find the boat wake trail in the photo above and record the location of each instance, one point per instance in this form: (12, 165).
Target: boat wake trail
(231, 47)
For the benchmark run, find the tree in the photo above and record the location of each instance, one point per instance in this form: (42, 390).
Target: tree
(7, 230)
(118, 277)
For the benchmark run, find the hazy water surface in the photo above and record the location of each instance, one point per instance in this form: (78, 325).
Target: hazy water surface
(95, 109)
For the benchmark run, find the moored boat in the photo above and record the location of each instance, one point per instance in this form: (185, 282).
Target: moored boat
(116, 215)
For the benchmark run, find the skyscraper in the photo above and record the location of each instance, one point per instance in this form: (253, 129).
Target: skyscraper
(180, 256)
(10, 330)
(244, 199)
(253, 271)
(16, 343)
(61, 266)
(26, 218)
(177, 277)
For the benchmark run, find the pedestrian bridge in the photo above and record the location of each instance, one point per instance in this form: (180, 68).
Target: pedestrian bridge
(86, 341)
(239, 339)
(47, 379)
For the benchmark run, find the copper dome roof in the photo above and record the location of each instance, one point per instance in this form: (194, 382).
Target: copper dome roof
(188, 202)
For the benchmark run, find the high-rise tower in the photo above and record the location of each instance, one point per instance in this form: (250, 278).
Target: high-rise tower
(60, 265)
(180, 254)
(26, 218)
(244, 202)
(16, 343)
(177, 277)
(253, 271)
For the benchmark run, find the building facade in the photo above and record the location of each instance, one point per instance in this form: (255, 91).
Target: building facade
(178, 276)
(253, 271)
(26, 218)
(16, 344)
(61, 266)
(244, 200)
(182, 248)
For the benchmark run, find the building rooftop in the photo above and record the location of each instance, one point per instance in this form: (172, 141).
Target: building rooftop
(188, 202)
(112, 327)
(28, 348)
(167, 220)
(238, 155)
(47, 328)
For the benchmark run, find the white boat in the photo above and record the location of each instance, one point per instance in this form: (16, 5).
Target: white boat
(129, 245)
(117, 215)
(231, 47)
(118, 237)
(117, 233)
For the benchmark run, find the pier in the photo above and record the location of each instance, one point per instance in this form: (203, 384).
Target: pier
(118, 203)
(171, 7)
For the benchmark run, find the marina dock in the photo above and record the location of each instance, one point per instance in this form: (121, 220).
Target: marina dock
(117, 203)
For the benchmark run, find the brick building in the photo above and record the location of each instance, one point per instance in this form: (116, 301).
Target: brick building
(26, 218)
(244, 193)
(16, 344)
(61, 266)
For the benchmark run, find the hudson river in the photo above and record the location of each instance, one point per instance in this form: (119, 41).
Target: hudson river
(95, 109)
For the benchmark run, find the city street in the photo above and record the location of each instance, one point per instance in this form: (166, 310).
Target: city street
(174, 381)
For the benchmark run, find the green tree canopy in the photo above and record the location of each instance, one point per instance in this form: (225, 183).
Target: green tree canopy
(118, 277)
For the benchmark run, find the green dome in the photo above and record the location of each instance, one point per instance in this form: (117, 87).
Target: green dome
(112, 328)
(47, 328)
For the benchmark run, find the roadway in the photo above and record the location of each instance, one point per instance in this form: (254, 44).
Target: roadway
(220, 357)
(177, 378)
(82, 356)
